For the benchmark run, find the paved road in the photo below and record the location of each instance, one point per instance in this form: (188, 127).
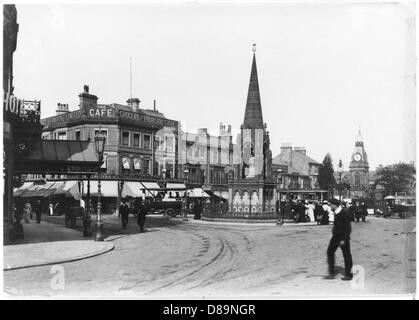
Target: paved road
(176, 259)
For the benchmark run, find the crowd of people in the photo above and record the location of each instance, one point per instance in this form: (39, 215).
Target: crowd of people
(320, 212)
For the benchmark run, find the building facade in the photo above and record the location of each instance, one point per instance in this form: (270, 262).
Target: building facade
(358, 180)
(140, 143)
(296, 173)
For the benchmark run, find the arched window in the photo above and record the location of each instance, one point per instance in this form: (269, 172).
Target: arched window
(357, 178)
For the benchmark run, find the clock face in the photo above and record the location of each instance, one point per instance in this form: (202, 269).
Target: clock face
(357, 157)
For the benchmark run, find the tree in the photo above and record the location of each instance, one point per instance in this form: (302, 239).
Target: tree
(394, 178)
(326, 178)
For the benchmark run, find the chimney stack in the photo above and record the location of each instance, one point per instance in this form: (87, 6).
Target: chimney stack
(86, 99)
(134, 104)
(154, 105)
(286, 153)
(300, 150)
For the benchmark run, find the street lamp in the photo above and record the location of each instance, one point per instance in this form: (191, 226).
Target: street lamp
(279, 181)
(185, 212)
(100, 145)
(340, 171)
(185, 175)
(164, 176)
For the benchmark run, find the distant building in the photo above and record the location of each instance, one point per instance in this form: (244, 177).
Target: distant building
(209, 158)
(359, 178)
(297, 173)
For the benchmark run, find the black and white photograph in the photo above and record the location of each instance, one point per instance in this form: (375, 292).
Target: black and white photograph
(209, 150)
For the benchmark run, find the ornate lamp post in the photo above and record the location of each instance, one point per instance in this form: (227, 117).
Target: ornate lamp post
(278, 188)
(185, 175)
(185, 212)
(100, 145)
(340, 171)
(164, 176)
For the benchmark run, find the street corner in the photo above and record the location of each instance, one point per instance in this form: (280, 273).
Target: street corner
(41, 254)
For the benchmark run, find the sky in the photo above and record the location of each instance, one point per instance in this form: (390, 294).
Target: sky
(325, 69)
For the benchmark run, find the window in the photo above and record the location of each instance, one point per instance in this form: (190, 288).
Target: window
(125, 138)
(357, 178)
(215, 156)
(157, 142)
(77, 135)
(146, 142)
(62, 135)
(169, 144)
(136, 140)
(145, 166)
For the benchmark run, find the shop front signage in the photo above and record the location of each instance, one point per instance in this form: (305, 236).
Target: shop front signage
(108, 112)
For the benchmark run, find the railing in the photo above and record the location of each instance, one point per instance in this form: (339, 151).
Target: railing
(220, 211)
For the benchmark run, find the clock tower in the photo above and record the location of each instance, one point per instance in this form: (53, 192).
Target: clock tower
(359, 169)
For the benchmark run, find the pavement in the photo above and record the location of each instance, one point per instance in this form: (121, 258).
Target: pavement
(173, 259)
(50, 243)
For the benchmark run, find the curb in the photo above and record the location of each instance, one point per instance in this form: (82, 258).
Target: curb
(109, 247)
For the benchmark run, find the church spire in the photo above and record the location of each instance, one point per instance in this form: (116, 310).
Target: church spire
(253, 114)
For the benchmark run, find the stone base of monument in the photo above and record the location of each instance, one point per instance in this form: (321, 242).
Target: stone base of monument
(267, 217)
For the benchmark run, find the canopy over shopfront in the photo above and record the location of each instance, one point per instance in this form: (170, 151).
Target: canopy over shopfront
(59, 157)
(38, 190)
(17, 192)
(50, 188)
(221, 194)
(137, 189)
(108, 188)
(197, 193)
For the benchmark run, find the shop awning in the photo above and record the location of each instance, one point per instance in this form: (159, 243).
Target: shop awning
(108, 188)
(17, 192)
(68, 188)
(197, 193)
(39, 190)
(137, 189)
(221, 194)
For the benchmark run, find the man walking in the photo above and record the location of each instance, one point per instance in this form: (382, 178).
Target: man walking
(340, 238)
(142, 212)
(124, 212)
(38, 211)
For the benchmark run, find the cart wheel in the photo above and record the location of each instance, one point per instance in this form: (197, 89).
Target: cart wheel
(171, 212)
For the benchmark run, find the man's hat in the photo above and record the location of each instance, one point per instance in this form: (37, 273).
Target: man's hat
(335, 202)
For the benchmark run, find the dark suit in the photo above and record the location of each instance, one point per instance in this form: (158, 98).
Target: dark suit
(124, 212)
(142, 212)
(341, 232)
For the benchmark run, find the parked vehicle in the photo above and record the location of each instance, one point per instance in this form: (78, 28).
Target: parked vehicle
(402, 206)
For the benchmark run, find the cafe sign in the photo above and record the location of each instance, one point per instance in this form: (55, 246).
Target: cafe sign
(108, 112)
